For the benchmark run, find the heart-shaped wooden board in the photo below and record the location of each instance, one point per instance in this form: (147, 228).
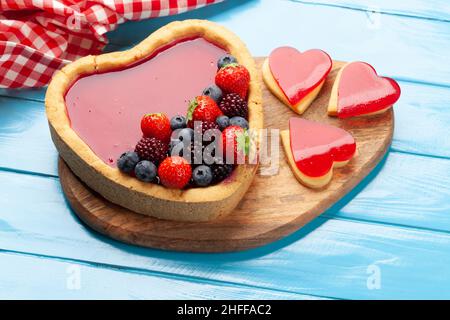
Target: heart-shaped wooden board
(275, 205)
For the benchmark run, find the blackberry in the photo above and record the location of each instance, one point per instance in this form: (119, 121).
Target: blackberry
(209, 125)
(221, 171)
(152, 149)
(233, 105)
(202, 141)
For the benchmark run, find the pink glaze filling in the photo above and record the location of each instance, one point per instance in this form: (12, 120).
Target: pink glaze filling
(105, 109)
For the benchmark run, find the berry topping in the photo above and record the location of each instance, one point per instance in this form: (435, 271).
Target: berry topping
(235, 144)
(178, 122)
(233, 105)
(202, 108)
(175, 172)
(145, 171)
(214, 92)
(225, 60)
(202, 176)
(151, 149)
(239, 121)
(127, 161)
(223, 122)
(156, 125)
(221, 171)
(234, 78)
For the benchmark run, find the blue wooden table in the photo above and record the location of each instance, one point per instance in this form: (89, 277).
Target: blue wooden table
(389, 238)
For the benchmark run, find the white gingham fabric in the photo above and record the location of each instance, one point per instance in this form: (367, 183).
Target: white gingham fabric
(38, 37)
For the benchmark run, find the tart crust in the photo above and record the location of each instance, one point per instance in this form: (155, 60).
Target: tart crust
(196, 204)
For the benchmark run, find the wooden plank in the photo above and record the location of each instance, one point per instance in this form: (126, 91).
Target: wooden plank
(335, 255)
(422, 116)
(373, 34)
(421, 109)
(391, 32)
(328, 257)
(399, 47)
(384, 197)
(427, 9)
(25, 142)
(406, 190)
(34, 94)
(27, 277)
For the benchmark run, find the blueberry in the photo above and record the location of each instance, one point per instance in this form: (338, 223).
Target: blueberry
(239, 121)
(226, 59)
(127, 161)
(214, 92)
(223, 122)
(202, 176)
(145, 171)
(178, 122)
(186, 135)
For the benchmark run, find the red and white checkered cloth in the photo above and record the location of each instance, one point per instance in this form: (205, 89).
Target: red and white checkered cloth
(38, 37)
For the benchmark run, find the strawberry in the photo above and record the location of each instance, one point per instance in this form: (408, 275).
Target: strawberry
(233, 78)
(235, 141)
(175, 172)
(156, 125)
(202, 108)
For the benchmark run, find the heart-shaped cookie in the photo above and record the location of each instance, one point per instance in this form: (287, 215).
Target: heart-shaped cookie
(296, 77)
(95, 104)
(359, 91)
(313, 149)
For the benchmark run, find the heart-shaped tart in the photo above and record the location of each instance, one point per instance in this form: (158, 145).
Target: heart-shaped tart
(359, 91)
(95, 105)
(296, 77)
(313, 149)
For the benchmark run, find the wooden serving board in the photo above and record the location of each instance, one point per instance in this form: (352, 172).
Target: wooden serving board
(274, 207)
